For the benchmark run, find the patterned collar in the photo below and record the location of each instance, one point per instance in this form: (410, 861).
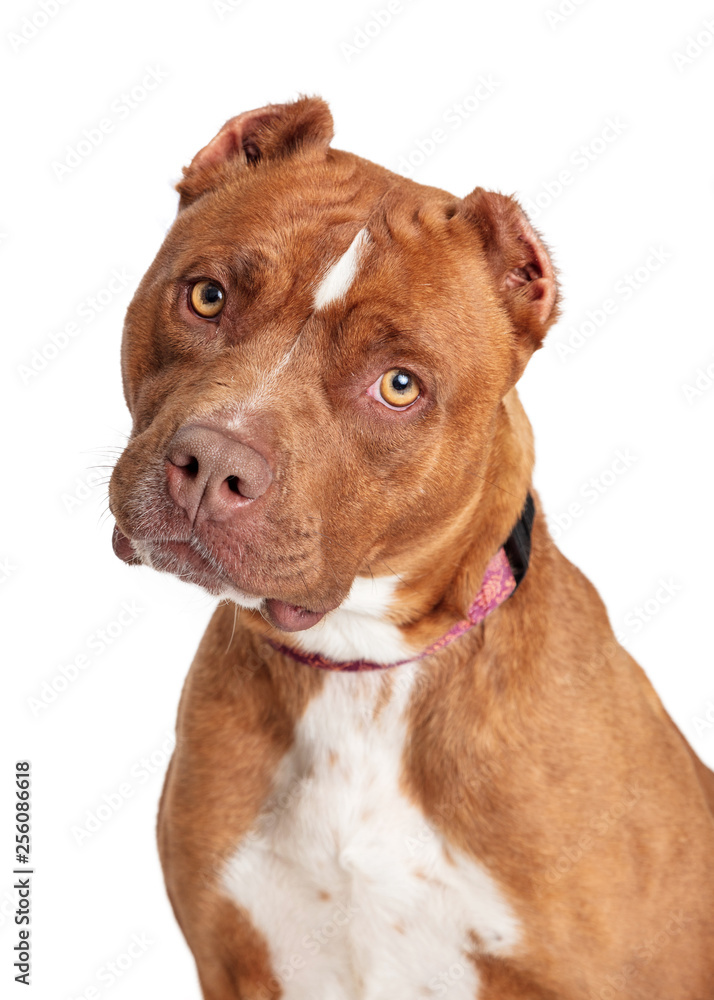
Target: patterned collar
(504, 573)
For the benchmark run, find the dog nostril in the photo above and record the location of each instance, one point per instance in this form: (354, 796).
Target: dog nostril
(189, 464)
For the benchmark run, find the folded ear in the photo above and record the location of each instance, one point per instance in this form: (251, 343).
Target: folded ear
(519, 262)
(277, 130)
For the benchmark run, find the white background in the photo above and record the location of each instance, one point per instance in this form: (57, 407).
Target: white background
(556, 85)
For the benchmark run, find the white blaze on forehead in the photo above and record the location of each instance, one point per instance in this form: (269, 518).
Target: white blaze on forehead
(337, 281)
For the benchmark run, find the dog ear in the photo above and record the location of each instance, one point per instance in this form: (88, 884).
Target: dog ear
(277, 130)
(520, 264)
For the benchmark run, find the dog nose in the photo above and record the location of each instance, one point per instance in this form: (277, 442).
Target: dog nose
(208, 469)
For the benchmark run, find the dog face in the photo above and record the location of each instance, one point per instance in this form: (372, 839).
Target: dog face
(314, 364)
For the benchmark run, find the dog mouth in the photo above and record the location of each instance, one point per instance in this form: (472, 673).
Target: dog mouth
(289, 617)
(180, 557)
(183, 559)
(123, 548)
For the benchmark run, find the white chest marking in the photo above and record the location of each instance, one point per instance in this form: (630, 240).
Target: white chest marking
(337, 281)
(358, 629)
(357, 896)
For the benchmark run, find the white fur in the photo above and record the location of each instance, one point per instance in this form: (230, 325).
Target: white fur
(356, 895)
(241, 599)
(337, 281)
(358, 629)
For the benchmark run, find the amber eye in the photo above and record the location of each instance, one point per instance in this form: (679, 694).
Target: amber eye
(207, 298)
(398, 387)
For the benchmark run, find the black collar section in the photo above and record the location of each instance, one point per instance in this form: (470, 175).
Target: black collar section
(518, 544)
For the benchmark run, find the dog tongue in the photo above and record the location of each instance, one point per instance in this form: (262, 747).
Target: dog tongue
(289, 617)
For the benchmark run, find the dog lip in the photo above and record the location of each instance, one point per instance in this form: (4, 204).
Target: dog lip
(123, 548)
(180, 558)
(289, 617)
(124, 545)
(280, 614)
(182, 549)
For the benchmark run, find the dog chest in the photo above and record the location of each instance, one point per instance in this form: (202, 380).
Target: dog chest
(355, 893)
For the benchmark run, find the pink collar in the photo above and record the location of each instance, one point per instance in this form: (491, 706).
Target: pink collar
(503, 574)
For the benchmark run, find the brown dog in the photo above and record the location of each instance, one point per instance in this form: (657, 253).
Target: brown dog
(320, 365)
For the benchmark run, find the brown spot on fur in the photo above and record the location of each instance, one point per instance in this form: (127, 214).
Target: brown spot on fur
(384, 696)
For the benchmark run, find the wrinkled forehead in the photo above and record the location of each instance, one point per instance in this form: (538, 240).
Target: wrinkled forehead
(307, 243)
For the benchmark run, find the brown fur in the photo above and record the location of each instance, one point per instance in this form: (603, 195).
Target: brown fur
(532, 733)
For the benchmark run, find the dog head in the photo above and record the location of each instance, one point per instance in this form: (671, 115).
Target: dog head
(316, 364)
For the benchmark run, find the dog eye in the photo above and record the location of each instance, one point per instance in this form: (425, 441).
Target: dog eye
(207, 298)
(397, 388)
